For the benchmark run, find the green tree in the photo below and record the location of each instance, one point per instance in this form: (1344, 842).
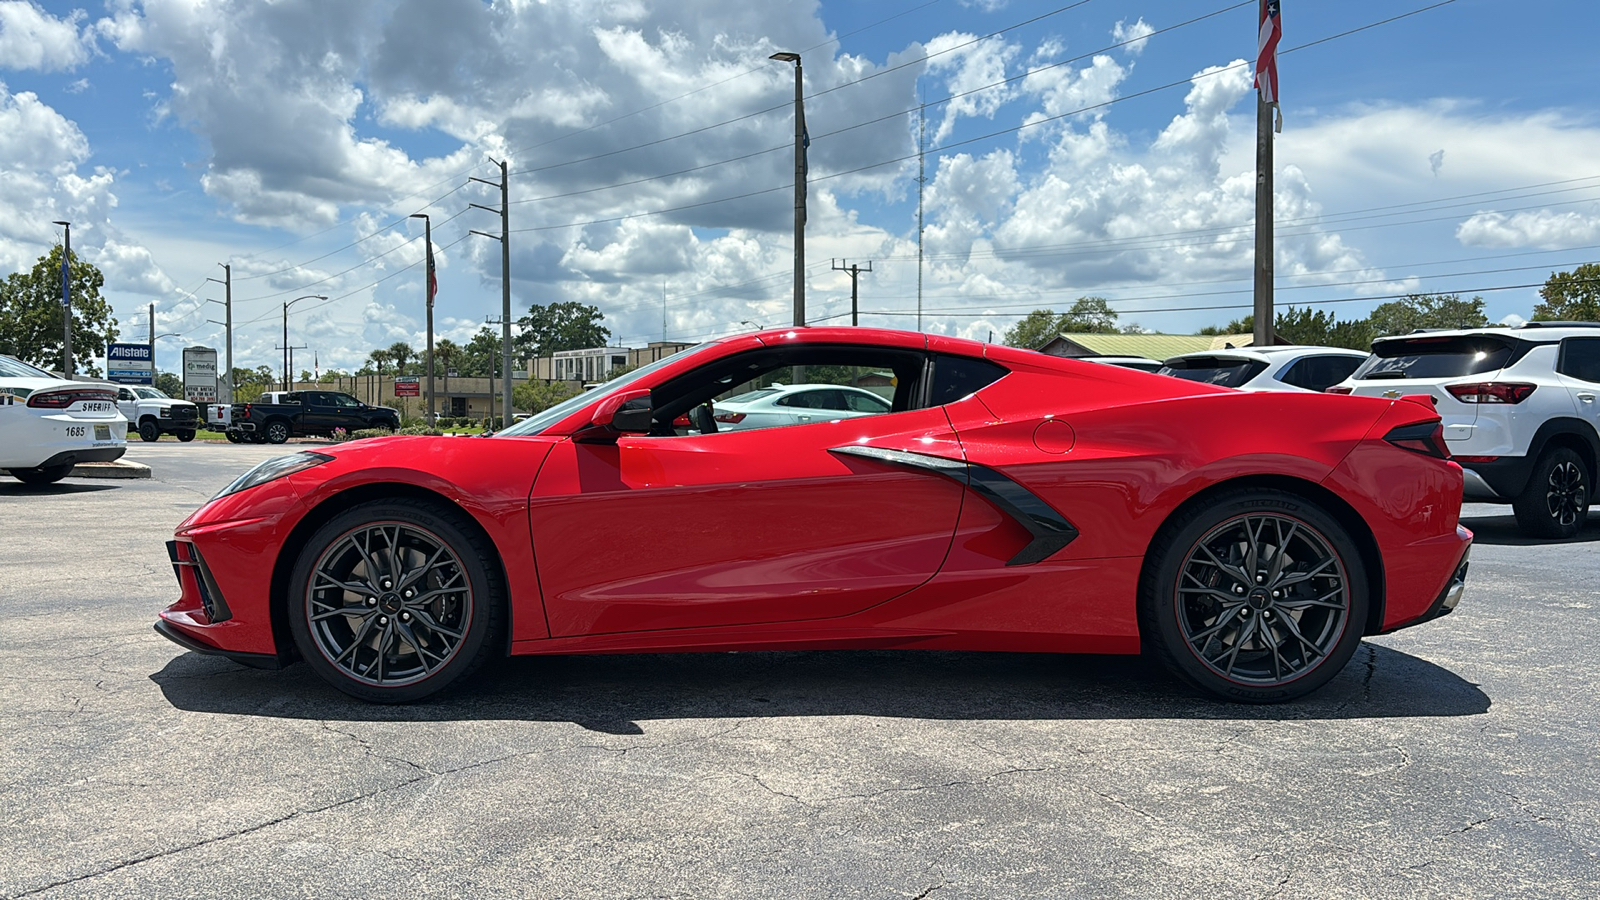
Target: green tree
(1302, 325)
(1246, 325)
(400, 353)
(249, 383)
(1036, 329)
(1568, 296)
(481, 357)
(30, 314)
(169, 384)
(1090, 315)
(537, 396)
(1416, 311)
(560, 326)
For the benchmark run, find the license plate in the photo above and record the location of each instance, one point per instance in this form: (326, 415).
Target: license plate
(102, 432)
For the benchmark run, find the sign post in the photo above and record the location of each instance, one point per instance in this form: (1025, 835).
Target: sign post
(200, 375)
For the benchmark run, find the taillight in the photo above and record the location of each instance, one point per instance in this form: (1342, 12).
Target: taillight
(1491, 392)
(1476, 459)
(1426, 438)
(1340, 389)
(64, 399)
(730, 418)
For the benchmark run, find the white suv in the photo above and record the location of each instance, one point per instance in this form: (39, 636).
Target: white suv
(1519, 407)
(1295, 367)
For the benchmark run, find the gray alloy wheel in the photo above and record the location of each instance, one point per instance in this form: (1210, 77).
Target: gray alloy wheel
(233, 437)
(1257, 596)
(277, 431)
(395, 600)
(186, 436)
(42, 474)
(149, 431)
(1555, 504)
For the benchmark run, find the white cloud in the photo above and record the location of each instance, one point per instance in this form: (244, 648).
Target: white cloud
(971, 67)
(31, 38)
(1137, 35)
(1536, 228)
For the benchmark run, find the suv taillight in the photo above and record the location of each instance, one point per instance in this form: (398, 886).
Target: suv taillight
(1426, 438)
(1491, 392)
(1340, 389)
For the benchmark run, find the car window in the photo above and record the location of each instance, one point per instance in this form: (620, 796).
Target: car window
(958, 377)
(867, 403)
(1227, 371)
(124, 394)
(15, 368)
(1318, 373)
(752, 396)
(1580, 359)
(802, 399)
(1440, 357)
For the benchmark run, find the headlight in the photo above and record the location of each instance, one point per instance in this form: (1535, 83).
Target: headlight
(273, 469)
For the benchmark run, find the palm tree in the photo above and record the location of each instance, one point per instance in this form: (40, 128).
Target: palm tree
(401, 353)
(445, 352)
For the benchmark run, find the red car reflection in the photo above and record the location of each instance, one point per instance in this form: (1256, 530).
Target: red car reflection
(1006, 501)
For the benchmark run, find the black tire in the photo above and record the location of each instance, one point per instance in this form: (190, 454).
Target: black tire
(1555, 504)
(392, 424)
(1241, 624)
(233, 437)
(42, 474)
(149, 431)
(363, 635)
(186, 436)
(277, 431)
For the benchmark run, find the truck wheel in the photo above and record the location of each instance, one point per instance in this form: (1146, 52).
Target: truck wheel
(186, 436)
(149, 431)
(233, 437)
(277, 431)
(1555, 504)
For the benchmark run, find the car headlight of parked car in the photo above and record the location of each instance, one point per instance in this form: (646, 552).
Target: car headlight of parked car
(273, 469)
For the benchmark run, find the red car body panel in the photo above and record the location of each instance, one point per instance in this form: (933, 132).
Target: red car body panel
(770, 539)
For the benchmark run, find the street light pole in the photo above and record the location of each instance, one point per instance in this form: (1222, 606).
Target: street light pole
(227, 286)
(505, 279)
(801, 139)
(288, 385)
(66, 299)
(428, 287)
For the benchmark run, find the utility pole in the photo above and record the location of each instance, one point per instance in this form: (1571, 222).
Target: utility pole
(504, 237)
(493, 320)
(430, 286)
(227, 286)
(802, 139)
(1266, 105)
(152, 343)
(66, 299)
(855, 282)
(288, 383)
(922, 179)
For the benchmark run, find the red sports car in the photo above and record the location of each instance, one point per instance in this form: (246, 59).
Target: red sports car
(1007, 500)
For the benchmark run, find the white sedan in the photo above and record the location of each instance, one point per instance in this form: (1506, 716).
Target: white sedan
(1294, 367)
(51, 424)
(796, 404)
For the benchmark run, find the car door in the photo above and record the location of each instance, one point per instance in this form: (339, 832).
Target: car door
(741, 527)
(128, 405)
(1579, 369)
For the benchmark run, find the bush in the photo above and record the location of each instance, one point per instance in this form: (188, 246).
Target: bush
(360, 433)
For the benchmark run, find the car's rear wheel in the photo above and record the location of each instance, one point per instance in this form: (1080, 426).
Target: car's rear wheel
(233, 437)
(1555, 504)
(42, 474)
(394, 600)
(1257, 596)
(149, 431)
(186, 436)
(277, 431)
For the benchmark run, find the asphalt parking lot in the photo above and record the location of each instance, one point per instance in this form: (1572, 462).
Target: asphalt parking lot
(1454, 759)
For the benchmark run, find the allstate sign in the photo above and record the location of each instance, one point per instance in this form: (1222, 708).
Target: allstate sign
(130, 364)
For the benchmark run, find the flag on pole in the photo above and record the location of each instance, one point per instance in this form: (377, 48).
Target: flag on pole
(66, 277)
(805, 166)
(1270, 32)
(316, 370)
(433, 280)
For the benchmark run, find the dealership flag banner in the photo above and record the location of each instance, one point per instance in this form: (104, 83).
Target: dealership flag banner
(433, 280)
(1267, 37)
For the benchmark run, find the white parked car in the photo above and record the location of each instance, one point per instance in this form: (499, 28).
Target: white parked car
(50, 424)
(1141, 363)
(152, 413)
(795, 404)
(1521, 410)
(1288, 368)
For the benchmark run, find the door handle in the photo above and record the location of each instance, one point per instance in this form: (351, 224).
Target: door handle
(803, 418)
(1586, 397)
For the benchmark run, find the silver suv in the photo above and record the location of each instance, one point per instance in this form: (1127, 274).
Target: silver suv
(1519, 407)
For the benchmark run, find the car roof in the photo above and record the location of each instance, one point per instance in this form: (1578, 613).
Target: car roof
(1269, 354)
(1534, 332)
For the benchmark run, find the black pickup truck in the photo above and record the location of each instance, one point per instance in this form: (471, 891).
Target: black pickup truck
(304, 413)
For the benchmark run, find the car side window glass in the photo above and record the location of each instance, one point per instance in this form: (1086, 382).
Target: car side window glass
(956, 377)
(1580, 359)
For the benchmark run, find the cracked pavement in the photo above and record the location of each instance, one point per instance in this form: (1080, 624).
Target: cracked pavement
(1454, 758)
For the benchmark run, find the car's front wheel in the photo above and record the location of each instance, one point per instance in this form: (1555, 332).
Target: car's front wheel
(1257, 596)
(42, 474)
(277, 431)
(394, 600)
(149, 431)
(1555, 504)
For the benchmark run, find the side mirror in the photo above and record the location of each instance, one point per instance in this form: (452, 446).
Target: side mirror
(625, 412)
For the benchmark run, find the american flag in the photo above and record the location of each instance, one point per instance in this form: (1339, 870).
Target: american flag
(1267, 52)
(433, 280)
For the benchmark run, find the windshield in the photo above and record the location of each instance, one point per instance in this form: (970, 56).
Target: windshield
(538, 422)
(1224, 371)
(151, 393)
(15, 368)
(1450, 357)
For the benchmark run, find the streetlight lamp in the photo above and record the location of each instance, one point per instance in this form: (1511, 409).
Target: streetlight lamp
(801, 139)
(66, 299)
(756, 325)
(430, 287)
(287, 384)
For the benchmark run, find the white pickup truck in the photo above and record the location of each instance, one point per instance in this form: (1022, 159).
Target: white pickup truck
(152, 413)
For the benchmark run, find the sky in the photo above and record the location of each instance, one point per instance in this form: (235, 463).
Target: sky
(1069, 148)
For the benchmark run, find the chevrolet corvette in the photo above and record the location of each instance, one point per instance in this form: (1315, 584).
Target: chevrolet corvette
(1005, 501)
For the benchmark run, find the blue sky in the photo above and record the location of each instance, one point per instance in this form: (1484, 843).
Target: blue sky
(1456, 150)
